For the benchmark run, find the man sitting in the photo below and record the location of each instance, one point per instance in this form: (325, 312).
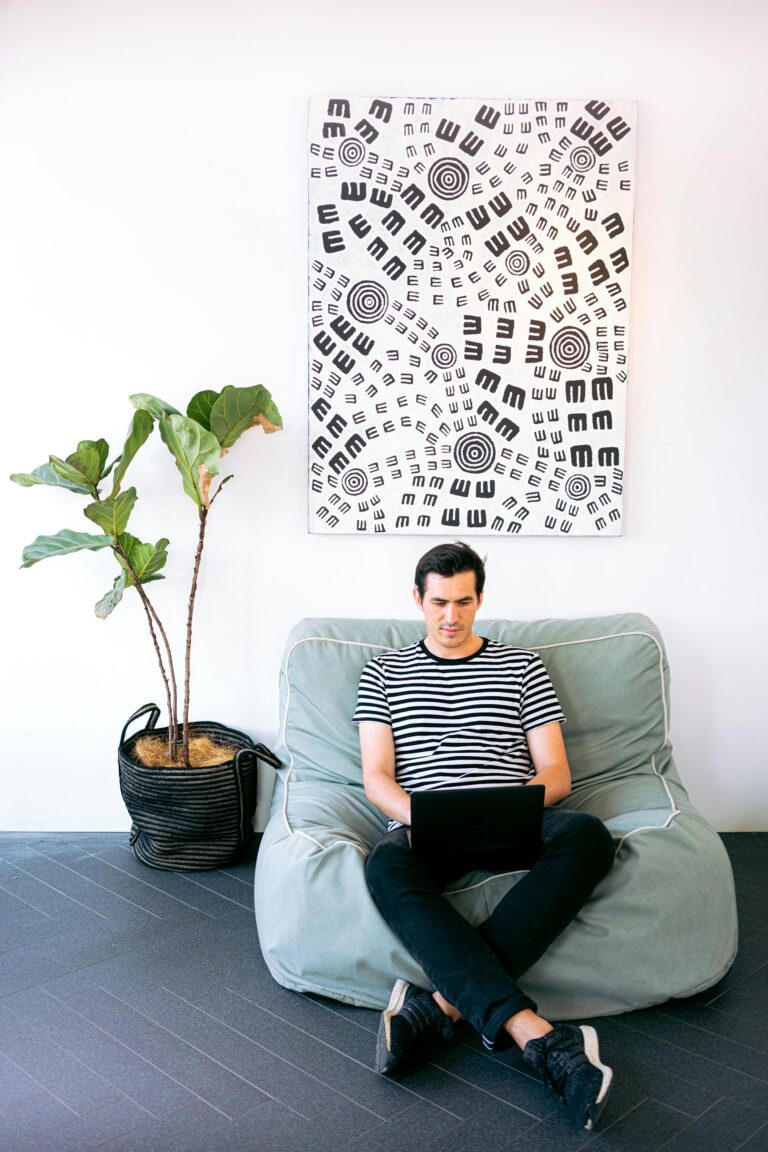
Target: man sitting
(459, 710)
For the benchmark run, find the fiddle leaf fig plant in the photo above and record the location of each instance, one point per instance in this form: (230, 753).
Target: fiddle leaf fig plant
(198, 441)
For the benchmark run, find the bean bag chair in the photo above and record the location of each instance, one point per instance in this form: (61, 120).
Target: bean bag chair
(661, 924)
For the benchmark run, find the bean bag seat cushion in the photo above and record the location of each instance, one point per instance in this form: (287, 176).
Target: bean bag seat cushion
(661, 924)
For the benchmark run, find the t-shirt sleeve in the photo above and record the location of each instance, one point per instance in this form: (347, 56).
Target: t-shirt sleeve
(372, 701)
(538, 703)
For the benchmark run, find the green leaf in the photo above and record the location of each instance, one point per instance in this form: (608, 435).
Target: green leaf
(80, 472)
(112, 514)
(61, 544)
(110, 601)
(238, 409)
(146, 560)
(68, 472)
(102, 449)
(152, 404)
(46, 474)
(82, 467)
(141, 426)
(199, 407)
(194, 448)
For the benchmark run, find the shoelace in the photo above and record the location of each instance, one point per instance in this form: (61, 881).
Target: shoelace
(561, 1062)
(419, 1013)
(425, 1016)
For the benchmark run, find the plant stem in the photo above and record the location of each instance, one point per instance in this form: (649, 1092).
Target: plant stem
(170, 688)
(192, 594)
(221, 485)
(173, 714)
(173, 704)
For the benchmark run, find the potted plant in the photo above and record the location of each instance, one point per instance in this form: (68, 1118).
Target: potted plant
(190, 788)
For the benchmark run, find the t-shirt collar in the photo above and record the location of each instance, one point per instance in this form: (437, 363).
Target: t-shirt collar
(459, 659)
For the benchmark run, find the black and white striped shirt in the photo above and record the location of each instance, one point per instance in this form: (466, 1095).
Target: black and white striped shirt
(459, 723)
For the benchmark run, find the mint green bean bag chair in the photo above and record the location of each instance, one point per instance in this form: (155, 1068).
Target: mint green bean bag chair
(662, 923)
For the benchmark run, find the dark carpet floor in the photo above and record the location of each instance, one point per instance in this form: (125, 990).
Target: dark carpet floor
(136, 1014)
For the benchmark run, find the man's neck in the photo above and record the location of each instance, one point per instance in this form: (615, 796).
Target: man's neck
(470, 646)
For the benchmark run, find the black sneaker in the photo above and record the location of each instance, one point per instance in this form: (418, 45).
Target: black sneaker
(568, 1058)
(410, 1024)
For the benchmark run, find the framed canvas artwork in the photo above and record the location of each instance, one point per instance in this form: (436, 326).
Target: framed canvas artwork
(469, 267)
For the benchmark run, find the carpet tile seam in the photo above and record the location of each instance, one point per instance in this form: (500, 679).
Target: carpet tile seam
(144, 1059)
(360, 1063)
(207, 1056)
(26, 903)
(264, 1048)
(688, 1052)
(185, 876)
(103, 887)
(45, 1089)
(94, 1071)
(757, 1132)
(58, 891)
(711, 1032)
(147, 883)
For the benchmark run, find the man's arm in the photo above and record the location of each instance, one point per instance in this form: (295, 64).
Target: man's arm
(377, 746)
(550, 761)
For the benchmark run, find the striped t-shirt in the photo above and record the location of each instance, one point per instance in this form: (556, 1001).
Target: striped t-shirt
(458, 723)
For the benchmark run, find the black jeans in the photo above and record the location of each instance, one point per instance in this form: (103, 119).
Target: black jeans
(476, 969)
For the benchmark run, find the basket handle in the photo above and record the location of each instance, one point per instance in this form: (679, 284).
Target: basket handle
(264, 753)
(150, 724)
(260, 752)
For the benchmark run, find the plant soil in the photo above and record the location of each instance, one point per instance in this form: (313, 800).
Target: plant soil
(203, 752)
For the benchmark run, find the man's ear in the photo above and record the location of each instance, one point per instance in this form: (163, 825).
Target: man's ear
(417, 597)
(479, 599)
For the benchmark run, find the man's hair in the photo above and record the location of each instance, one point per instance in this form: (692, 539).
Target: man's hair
(448, 560)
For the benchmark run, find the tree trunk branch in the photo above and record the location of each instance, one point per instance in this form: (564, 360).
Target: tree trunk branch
(190, 611)
(219, 488)
(173, 714)
(170, 687)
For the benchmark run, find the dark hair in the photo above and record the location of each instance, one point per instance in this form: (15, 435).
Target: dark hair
(449, 560)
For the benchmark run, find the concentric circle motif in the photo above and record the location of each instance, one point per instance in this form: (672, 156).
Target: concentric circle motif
(354, 482)
(474, 452)
(569, 348)
(582, 158)
(367, 301)
(518, 262)
(578, 486)
(444, 356)
(448, 178)
(351, 152)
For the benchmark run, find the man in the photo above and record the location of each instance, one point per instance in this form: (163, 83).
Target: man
(458, 710)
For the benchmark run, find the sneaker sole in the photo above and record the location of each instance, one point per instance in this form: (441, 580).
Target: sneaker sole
(592, 1050)
(384, 1043)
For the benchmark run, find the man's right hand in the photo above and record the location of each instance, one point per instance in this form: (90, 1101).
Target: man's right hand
(377, 748)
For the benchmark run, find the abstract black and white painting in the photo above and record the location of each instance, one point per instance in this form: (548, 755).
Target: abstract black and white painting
(469, 314)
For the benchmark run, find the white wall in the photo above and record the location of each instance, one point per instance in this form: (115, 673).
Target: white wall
(152, 237)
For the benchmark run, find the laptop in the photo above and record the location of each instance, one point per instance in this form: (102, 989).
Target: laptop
(498, 825)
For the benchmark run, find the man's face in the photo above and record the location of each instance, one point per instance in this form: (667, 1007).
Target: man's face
(450, 604)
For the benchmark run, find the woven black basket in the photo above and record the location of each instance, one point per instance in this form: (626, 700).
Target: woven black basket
(190, 819)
